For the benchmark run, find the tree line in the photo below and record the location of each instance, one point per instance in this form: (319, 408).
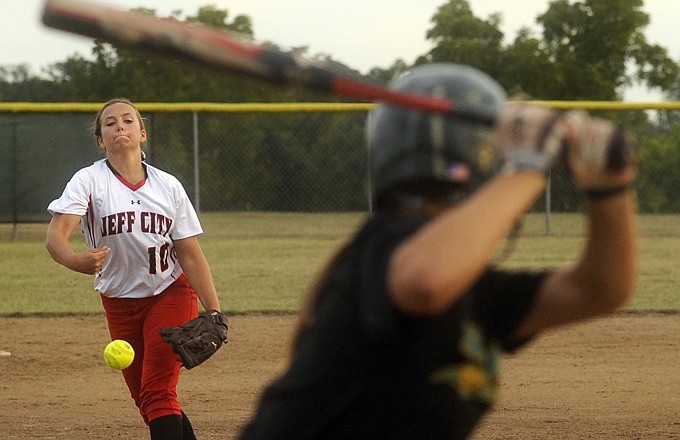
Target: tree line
(582, 50)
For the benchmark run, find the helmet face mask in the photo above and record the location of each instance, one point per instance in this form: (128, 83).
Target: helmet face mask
(410, 145)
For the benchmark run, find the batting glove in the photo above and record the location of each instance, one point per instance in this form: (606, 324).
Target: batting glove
(530, 136)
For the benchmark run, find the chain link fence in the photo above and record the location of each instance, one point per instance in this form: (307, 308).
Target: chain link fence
(285, 158)
(266, 157)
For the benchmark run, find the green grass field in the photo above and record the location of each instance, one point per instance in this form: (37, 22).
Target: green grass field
(263, 262)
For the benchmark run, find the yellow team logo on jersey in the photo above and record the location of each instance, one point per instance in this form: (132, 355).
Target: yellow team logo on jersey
(475, 378)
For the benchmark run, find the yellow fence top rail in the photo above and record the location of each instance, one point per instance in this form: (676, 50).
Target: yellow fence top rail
(82, 107)
(612, 105)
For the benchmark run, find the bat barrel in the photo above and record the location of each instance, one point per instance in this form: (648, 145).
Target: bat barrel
(226, 52)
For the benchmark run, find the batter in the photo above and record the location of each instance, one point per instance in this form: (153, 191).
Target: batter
(402, 334)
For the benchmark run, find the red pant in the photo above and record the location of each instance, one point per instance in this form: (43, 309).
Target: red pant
(153, 376)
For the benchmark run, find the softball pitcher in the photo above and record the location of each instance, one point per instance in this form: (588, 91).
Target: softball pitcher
(142, 248)
(402, 334)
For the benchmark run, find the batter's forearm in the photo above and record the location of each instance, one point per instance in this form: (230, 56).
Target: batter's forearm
(610, 260)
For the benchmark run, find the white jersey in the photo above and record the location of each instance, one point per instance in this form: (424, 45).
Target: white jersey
(137, 222)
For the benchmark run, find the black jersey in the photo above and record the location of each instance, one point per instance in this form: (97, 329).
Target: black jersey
(364, 370)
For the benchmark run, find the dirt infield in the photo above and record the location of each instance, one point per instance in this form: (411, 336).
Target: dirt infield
(609, 379)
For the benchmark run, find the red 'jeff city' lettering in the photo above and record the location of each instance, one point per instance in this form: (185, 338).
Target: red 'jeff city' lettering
(123, 222)
(155, 223)
(118, 223)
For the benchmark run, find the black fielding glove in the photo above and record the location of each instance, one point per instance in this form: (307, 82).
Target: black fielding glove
(197, 340)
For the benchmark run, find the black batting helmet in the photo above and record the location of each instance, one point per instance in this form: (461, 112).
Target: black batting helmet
(407, 145)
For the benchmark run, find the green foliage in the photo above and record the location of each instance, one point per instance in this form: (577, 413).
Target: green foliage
(284, 156)
(593, 41)
(286, 162)
(588, 49)
(583, 54)
(388, 74)
(460, 37)
(659, 179)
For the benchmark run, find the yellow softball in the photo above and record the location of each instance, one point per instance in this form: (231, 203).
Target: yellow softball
(119, 354)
